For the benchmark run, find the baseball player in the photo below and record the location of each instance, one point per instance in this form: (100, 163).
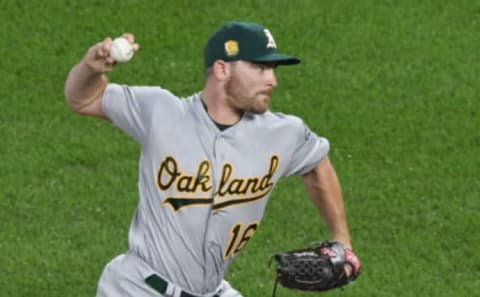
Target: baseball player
(208, 163)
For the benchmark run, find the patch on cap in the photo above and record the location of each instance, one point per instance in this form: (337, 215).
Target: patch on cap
(271, 42)
(231, 48)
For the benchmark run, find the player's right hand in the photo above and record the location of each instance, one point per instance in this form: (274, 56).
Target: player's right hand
(98, 57)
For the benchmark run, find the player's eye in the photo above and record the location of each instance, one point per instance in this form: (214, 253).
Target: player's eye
(264, 66)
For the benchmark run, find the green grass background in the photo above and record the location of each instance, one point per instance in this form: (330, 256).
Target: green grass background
(394, 85)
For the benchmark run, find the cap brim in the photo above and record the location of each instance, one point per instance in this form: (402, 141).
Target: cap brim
(279, 59)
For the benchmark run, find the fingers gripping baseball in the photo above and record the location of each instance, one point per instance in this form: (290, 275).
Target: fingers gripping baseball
(99, 57)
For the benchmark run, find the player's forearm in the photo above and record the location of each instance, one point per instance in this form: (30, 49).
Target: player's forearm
(83, 86)
(332, 210)
(324, 189)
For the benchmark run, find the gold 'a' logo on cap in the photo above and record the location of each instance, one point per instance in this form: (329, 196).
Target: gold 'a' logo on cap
(231, 48)
(271, 42)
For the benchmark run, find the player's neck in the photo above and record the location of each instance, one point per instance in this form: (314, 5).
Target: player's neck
(218, 109)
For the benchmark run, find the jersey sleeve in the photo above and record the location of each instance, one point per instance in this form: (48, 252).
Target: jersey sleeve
(131, 108)
(309, 150)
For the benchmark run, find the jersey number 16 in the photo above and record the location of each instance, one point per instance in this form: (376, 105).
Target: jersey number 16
(239, 236)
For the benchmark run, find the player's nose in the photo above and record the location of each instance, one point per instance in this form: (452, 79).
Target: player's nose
(271, 77)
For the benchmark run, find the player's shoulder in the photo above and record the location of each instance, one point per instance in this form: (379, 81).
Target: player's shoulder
(154, 92)
(141, 92)
(283, 119)
(275, 123)
(154, 97)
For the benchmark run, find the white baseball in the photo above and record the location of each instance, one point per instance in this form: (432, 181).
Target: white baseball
(121, 50)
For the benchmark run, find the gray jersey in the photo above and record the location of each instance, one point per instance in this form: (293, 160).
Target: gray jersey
(202, 191)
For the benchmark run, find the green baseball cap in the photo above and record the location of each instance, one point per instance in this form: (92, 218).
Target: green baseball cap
(244, 41)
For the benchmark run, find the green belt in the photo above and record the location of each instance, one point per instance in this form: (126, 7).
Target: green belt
(160, 285)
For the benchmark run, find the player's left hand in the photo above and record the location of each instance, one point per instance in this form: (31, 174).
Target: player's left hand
(352, 262)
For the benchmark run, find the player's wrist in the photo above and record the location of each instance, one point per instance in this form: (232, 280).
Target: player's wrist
(345, 240)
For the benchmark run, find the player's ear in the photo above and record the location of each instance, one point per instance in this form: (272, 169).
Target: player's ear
(221, 70)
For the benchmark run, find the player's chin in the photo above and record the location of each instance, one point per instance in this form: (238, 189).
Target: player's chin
(264, 101)
(260, 108)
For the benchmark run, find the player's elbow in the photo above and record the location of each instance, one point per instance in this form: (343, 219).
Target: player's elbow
(74, 97)
(90, 107)
(83, 104)
(84, 90)
(73, 102)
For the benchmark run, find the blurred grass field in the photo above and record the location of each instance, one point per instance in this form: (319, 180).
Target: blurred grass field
(394, 86)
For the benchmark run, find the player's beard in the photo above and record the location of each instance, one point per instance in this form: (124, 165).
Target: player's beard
(242, 100)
